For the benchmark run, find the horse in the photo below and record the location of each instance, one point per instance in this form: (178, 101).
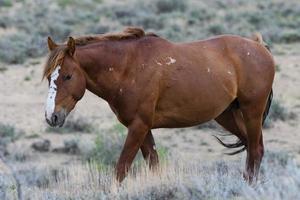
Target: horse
(150, 82)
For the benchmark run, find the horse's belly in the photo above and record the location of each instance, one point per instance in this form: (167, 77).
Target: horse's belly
(190, 101)
(178, 119)
(182, 112)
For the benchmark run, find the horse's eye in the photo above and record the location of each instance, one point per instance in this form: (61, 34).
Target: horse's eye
(67, 77)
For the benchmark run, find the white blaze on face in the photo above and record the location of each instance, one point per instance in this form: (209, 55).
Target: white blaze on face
(50, 105)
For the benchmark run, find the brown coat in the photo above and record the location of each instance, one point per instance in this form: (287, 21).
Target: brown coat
(150, 82)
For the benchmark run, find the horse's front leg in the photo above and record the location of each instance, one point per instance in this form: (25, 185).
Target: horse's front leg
(149, 152)
(137, 132)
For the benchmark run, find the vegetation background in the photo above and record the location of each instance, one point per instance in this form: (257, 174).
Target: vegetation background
(76, 162)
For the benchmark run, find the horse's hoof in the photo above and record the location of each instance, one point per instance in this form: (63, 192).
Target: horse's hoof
(248, 178)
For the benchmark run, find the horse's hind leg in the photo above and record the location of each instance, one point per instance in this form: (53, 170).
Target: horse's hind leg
(247, 126)
(149, 151)
(253, 116)
(232, 120)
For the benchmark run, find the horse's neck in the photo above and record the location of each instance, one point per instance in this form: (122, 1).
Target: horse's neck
(103, 68)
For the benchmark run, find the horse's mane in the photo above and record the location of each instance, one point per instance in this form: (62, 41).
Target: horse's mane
(128, 33)
(57, 55)
(55, 58)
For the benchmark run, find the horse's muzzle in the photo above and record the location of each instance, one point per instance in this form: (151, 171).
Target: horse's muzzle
(57, 119)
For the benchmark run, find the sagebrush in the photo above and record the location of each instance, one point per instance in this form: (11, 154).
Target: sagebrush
(278, 21)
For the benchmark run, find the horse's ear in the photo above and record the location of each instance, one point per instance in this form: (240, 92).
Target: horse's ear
(51, 44)
(71, 46)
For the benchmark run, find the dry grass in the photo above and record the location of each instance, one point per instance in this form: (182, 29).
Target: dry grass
(176, 179)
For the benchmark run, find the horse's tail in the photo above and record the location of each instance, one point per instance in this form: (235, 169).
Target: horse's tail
(269, 102)
(258, 38)
(241, 143)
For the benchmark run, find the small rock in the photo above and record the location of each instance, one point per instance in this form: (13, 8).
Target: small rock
(42, 146)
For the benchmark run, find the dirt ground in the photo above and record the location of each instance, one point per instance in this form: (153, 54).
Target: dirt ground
(23, 96)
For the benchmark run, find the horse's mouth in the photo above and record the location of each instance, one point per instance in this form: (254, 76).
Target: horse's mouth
(61, 123)
(57, 119)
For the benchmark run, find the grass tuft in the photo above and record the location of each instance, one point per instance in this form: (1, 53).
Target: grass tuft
(177, 178)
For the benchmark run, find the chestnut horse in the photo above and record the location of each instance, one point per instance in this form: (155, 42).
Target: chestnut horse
(150, 82)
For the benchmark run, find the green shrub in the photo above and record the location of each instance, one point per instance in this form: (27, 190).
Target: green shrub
(174, 19)
(9, 133)
(290, 36)
(27, 78)
(167, 6)
(278, 112)
(2, 69)
(64, 3)
(18, 47)
(201, 13)
(32, 136)
(15, 48)
(6, 3)
(216, 29)
(277, 68)
(71, 146)
(163, 153)
(107, 146)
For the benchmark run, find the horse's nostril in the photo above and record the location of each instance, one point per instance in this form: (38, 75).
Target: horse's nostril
(54, 119)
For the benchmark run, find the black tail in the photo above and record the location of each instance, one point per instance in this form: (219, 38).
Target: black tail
(242, 143)
(269, 102)
(239, 143)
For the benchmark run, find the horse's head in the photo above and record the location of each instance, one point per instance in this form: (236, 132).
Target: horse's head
(67, 82)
